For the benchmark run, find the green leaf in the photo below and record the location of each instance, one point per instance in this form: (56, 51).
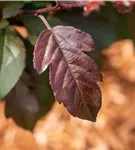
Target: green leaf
(1, 46)
(4, 24)
(22, 105)
(12, 58)
(12, 9)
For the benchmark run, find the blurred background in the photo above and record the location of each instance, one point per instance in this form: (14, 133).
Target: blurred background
(30, 118)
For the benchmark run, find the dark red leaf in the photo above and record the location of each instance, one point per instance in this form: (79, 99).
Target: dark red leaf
(73, 75)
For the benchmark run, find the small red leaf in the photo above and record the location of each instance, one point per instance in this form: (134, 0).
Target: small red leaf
(73, 75)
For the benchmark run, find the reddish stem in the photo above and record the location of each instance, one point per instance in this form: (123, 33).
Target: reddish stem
(58, 3)
(54, 8)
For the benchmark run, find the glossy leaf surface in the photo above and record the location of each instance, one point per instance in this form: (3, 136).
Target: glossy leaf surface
(12, 60)
(73, 75)
(12, 9)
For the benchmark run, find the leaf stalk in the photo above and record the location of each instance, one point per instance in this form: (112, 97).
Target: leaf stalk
(45, 21)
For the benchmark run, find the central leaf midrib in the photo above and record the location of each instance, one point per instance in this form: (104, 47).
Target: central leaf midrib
(70, 70)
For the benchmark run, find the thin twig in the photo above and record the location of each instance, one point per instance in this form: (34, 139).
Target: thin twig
(54, 8)
(45, 21)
